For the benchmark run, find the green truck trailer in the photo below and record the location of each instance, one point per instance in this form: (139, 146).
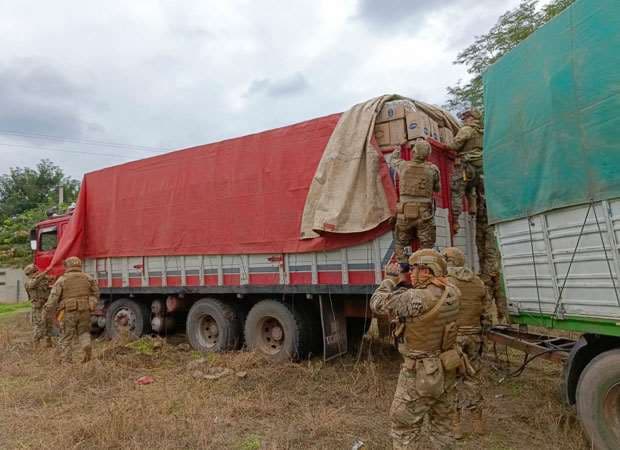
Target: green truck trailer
(552, 177)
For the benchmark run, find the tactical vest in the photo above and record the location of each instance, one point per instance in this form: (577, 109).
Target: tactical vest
(416, 180)
(472, 296)
(472, 150)
(76, 285)
(435, 330)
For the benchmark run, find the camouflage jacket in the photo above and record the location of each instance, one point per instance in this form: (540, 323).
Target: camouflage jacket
(468, 143)
(38, 289)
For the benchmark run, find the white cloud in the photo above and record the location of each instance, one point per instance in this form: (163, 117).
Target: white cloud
(175, 74)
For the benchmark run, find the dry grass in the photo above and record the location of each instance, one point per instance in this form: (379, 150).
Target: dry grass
(306, 405)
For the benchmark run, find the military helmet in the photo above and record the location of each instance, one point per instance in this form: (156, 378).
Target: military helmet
(431, 259)
(30, 269)
(422, 149)
(73, 262)
(472, 112)
(454, 256)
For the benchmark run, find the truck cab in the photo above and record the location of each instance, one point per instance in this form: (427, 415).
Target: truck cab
(44, 239)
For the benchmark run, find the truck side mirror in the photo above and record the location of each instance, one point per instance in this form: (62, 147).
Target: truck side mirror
(33, 240)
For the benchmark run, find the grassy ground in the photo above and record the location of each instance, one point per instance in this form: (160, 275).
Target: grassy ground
(13, 307)
(290, 406)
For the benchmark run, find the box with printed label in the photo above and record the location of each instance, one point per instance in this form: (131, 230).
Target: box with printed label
(391, 111)
(417, 125)
(434, 130)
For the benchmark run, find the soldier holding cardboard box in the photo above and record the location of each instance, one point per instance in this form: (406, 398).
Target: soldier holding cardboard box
(418, 180)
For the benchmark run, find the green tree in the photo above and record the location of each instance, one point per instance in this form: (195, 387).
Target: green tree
(24, 188)
(511, 28)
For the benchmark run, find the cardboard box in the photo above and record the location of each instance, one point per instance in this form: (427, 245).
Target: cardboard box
(434, 128)
(398, 132)
(445, 135)
(418, 125)
(382, 133)
(396, 109)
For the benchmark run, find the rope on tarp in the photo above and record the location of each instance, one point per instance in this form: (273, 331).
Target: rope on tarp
(611, 274)
(570, 264)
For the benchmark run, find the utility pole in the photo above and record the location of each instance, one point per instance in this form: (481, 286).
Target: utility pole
(61, 195)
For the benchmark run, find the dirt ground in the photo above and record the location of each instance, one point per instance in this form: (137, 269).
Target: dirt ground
(312, 404)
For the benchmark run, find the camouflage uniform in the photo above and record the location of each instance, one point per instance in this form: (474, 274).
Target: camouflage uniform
(418, 179)
(38, 289)
(467, 175)
(489, 258)
(77, 293)
(426, 331)
(474, 317)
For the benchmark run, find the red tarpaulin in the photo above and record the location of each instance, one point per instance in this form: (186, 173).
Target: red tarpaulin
(240, 196)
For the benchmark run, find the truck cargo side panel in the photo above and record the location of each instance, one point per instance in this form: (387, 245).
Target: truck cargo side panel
(564, 262)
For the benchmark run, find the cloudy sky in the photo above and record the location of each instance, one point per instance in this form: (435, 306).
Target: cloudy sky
(89, 84)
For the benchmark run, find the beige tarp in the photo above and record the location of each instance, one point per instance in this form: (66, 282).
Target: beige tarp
(348, 193)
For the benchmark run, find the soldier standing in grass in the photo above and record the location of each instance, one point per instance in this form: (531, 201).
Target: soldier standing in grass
(38, 289)
(474, 318)
(75, 293)
(426, 332)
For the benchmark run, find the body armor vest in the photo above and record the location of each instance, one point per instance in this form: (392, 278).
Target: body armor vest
(472, 297)
(435, 330)
(472, 150)
(416, 180)
(76, 285)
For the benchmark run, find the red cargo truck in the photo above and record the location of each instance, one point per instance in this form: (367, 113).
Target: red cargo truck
(206, 240)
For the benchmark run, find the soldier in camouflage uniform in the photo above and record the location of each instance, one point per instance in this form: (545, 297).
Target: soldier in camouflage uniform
(418, 179)
(489, 258)
(38, 288)
(467, 174)
(474, 318)
(425, 316)
(76, 294)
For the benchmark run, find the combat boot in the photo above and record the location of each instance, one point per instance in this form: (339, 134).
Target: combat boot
(477, 422)
(49, 343)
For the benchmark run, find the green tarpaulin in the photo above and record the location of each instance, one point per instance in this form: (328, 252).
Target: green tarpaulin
(552, 115)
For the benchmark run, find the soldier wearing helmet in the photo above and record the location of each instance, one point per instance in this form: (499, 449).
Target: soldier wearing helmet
(37, 286)
(418, 180)
(467, 174)
(425, 316)
(474, 317)
(73, 293)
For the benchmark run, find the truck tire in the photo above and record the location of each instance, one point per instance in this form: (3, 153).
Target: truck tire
(274, 330)
(598, 400)
(213, 326)
(125, 315)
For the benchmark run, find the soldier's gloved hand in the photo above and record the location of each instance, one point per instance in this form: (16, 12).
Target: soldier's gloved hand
(486, 327)
(392, 271)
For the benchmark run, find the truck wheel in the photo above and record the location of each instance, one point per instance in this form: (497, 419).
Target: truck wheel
(212, 326)
(275, 331)
(598, 400)
(129, 317)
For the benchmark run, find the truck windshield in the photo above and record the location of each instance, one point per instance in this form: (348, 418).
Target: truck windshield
(48, 239)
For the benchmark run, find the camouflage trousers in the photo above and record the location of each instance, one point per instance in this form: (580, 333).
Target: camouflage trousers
(466, 179)
(468, 391)
(489, 258)
(76, 324)
(410, 411)
(41, 324)
(407, 229)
